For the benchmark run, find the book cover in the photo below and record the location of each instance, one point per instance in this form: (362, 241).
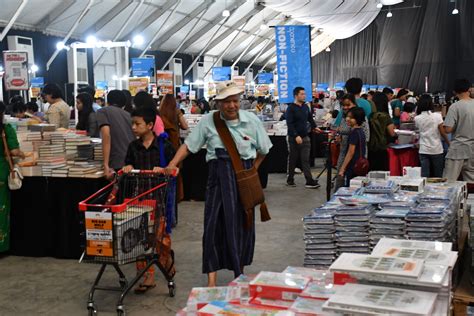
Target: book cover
(446, 258)
(429, 245)
(389, 266)
(383, 299)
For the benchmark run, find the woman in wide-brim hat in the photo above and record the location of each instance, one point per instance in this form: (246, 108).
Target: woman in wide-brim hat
(227, 244)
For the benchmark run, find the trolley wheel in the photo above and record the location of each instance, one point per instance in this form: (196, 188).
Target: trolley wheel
(92, 310)
(120, 311)
(172, 288)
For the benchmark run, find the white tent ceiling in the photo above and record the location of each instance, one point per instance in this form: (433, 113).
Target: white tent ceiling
(194, 25)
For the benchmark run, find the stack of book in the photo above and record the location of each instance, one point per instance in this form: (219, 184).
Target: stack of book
(74, 140)
(201, 296)
(361, 299)
(60, 172)
(319, 238)
(277, 286)
(438, 259)
(85, 170)
(470, 209)
(417, 265)
(48, 164)
(431, 221)
(48, 151)
(98, 155)
(353, 228)
(57, 137)
(33, 136)
(85, 152)
(38, 143)
(381, 186)
(388, 222)
(42, 127)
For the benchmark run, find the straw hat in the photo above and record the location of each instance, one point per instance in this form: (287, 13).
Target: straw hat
(226, 89)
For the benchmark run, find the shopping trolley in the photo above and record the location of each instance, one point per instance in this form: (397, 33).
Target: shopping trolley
(124, 222)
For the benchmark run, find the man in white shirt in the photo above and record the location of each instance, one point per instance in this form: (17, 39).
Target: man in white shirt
(460, 122)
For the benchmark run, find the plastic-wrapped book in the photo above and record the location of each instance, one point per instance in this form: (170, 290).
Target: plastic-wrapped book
(384, 266)
(378, 299)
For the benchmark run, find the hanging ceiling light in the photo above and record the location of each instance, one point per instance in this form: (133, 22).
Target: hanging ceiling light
(60, 45)
(91, 39)
(138, 40)
(389, 13)
(455, 10)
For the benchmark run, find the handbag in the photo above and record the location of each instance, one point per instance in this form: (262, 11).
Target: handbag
(361, 166)
(14, 177)
(248, 181)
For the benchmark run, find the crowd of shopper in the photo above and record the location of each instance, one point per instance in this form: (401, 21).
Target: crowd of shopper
(135, 129)
(440, 154)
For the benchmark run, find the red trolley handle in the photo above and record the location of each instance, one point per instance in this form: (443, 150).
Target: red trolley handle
(138, 171)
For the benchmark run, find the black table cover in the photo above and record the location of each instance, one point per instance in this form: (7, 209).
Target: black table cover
(45, 220)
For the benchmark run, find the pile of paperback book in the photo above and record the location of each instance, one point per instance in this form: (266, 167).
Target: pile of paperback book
(319, 237)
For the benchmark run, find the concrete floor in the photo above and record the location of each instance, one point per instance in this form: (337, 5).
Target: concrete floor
(47, 286)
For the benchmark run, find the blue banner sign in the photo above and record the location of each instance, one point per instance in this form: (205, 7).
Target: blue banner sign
(101, 85)
(221, 73)
(322, 87)
(184, 89)
(37, 82)
(293, 51)
(339, 85)
(265, 78)
(143, 67)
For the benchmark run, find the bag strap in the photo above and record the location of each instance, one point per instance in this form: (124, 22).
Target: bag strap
(7, 151)
(228, 141)
(360, 144)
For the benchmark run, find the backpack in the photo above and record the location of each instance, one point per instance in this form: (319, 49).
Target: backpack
(378, 138)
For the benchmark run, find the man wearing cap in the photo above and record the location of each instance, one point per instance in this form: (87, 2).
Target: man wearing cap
(226, 243)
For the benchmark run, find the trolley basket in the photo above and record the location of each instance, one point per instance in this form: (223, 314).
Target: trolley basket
(125, 222)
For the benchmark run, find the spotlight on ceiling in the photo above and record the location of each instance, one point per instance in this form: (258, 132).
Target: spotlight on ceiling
(34, 68)
(91, 40)
(225, 13)
(60, 45)
(138, 40)
(328, 49)
(263, 27)
(455, 11)
(389, 14)
(379, 5)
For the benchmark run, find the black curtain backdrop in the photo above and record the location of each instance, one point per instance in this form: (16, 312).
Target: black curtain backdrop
(402, 50)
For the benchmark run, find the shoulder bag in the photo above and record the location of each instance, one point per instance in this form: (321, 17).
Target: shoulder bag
(248, 182)
(15, 176)
(361, 166)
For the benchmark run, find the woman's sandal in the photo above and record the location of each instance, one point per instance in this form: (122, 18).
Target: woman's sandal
(142, 288)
